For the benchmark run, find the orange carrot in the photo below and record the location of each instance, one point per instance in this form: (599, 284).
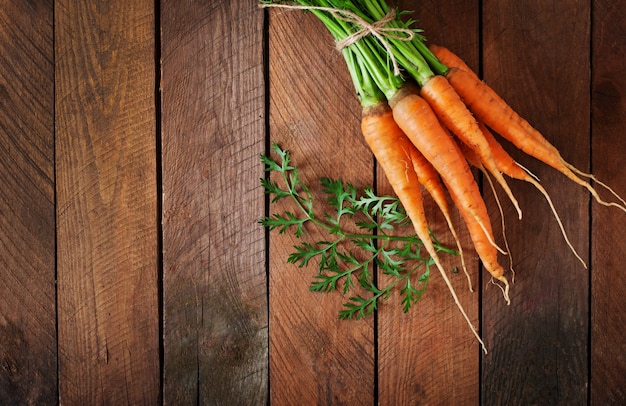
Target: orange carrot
(471, 156)
(454, 115)
(414, 115)
(450, 59)
(474, 160)
(390, 147)
(485, 250)
(506, 164)
(511, 168)
(495, 113)
(429, 178)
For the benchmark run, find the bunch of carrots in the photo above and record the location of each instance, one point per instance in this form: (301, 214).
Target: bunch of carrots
(428, 119)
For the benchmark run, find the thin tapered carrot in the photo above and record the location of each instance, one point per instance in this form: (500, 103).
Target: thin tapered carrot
(429, 178)
(454, 115)
(414, 115)
(434, 142)
(451, 60)
(502, 224)
(511, 168)
(500, 117)
(506, 164)
(391, 148)
(485, 250)
(474, 160)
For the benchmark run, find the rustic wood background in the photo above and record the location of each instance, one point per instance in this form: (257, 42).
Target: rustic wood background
(132, 267)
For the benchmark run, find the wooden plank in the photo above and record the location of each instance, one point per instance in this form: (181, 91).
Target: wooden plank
(429, 355)
(107, 202)
(27, 310)
(540, 343)
(214, 294)
(608, 349)
(314, 357)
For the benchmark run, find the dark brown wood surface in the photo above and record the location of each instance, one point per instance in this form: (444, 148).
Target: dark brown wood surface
(543, 337)
(313, 114)
(215, 332)
(106, 203)
(608, 279)
(28, 344)
(133, 269)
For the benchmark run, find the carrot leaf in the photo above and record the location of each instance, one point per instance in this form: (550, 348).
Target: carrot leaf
(412, 294)
(347, 262)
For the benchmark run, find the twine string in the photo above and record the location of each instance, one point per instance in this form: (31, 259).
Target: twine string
(377, 28)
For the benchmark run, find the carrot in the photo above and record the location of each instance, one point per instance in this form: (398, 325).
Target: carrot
(470, 156)
(474, 160)
(413, 114)
(450, 59)
(485, 250)
(391, 148)
(511, 168)
(454, 115)
(506, 164)
(429, 178)
(498, 115)
(502, 224)
(369, 73)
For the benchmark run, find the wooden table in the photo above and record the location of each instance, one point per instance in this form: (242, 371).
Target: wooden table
(133, 268)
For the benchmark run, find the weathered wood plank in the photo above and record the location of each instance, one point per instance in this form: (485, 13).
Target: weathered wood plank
(27, 306)
(214, 293)
(608, 343)
(314, 357)
(429, 355)
(107, 202)
(539, 344)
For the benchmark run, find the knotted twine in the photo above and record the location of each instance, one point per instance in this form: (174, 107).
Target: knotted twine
(377, 28)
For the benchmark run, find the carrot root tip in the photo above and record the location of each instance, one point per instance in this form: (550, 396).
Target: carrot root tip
(573, 176)
(456, 298)
(504, 289)
(544, 192)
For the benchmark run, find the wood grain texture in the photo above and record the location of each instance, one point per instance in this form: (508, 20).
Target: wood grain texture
(27, 306)
(314, 357)
(80, 183)
(540, 343)
(608, 343)
(429, 355)
(215, 297)
(107, 204)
